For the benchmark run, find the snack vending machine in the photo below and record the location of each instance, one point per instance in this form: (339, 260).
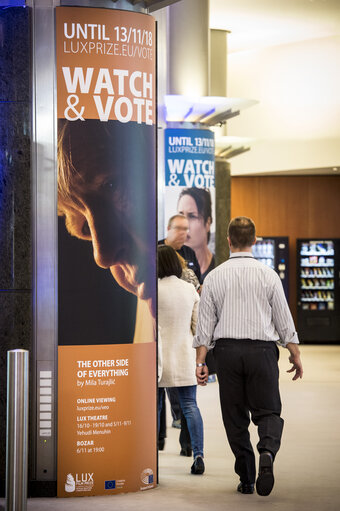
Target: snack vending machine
(274, 252)
(318, 293)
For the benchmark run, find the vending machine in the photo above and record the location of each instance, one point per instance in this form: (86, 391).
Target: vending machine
(318, 292)
(274, 252)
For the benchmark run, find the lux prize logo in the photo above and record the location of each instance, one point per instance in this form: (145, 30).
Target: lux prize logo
(82, 482)
(189, 158)
(147, 476)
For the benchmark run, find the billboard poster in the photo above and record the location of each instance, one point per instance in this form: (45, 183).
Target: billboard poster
(190, 188)
(106, 445)
(106, 251)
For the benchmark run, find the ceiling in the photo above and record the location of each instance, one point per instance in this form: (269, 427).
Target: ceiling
(261, 23)
(264, 24)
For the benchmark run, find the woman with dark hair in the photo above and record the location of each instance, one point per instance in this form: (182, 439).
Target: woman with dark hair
(195, 204)
(177, 317)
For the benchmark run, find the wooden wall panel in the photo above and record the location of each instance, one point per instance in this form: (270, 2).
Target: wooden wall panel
(294, 206)
(245, 200)
(324, 206)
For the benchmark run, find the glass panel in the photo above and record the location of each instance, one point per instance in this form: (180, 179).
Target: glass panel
(264, 251)
(317, 275)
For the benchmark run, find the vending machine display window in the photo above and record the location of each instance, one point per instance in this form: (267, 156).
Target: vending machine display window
(317, 275)
(264, 250)
(318, 284)
(274, 252)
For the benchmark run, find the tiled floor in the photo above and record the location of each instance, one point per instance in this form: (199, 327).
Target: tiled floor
(307, 468)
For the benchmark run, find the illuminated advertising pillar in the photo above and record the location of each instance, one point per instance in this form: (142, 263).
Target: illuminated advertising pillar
(106, 251)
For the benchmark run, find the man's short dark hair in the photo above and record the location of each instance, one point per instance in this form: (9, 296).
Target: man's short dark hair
(178, 215)
(241, 232)
(168, 262)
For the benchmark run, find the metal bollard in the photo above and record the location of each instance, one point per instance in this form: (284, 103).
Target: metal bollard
(17, 430)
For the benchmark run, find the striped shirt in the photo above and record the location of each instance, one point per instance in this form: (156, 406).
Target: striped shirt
(243, 299)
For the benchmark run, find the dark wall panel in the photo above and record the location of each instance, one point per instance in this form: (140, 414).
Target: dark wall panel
(15, 197)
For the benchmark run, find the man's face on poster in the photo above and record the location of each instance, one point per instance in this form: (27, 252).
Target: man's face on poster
(101, 205)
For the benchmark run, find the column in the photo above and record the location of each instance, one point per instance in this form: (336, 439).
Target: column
(15, 198)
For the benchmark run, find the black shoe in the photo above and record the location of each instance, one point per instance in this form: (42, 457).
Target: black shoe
(265, 480)
(245, 488)
(161, 444)
(186, 451)
(198, 466)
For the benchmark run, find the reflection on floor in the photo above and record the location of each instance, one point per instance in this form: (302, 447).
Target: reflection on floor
(307, 468)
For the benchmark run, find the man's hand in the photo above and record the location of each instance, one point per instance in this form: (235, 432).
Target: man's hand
(202, 374)
(295, 360)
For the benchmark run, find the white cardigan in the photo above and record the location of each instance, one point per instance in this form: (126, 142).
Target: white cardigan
(177, 317)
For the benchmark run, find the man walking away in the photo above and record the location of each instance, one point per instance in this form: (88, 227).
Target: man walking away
(243, 316)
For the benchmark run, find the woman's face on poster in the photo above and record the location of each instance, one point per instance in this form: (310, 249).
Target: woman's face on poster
(103, 205)
(198, 229)
(103, 214)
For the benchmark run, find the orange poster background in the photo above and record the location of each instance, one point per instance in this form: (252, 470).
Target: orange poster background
(125, 456)
(116, 40)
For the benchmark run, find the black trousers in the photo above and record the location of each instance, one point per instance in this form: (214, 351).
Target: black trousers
(174, 403)
(248, 377)
(162, 422)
